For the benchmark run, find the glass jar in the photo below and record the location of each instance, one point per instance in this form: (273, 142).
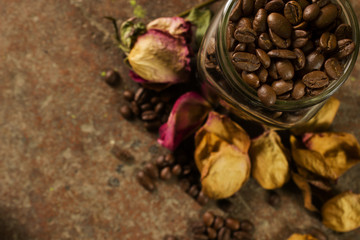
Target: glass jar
(223, 86)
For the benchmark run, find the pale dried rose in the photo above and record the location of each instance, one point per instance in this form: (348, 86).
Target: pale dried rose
(298, 236)
(175, 26)
(187, 115)
(342, 213)
(305, 188)
(322, 120)
(270, 160)
(225, 172)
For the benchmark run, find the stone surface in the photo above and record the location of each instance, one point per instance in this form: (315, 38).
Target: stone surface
(59, 121)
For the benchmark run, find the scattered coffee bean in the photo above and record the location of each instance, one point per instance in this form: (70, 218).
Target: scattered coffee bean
(315, 79)
(169, 158)
(285, 69)
(198, 228)
(251, 79)
(208, 218)
(346, 47)
(273, 71)
(128, 95)
(126, 112)
(241, 235)
(280, 87)
(300, 61)
(311, 12)
(135, 108)
(241, 47)
(263, 57)
(218, 223)
(141, 96)
(148, 115)
(151, 170)
(247, 226)
(328, 41)
(145, 107)
(314, 61)
(278, 41)
(265, 42)
(202, 199)
(122, 154)
(259, 23)
(245, 61)
(145, 181)
(176, 170)
(232, 223)
(333, 68)
(112, 78)
(263, 75)
(266, 95)
(193, 191)
(200, 237)
(245, 34)
(212, 234)
(159, 107)
(224, 234)
(280, 25)
(165, 173)
(298, 90)
(326, 16)
(293, 12)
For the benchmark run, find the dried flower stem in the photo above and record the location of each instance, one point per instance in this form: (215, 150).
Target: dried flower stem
(201, 5)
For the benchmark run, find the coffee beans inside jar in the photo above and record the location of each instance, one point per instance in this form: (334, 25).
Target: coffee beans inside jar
(287, 50)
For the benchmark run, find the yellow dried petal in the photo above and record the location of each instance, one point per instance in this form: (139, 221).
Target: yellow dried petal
(225, 172)
(306, 191)
(322, 120)
(269, 158)
(342, 213)
(297, 236)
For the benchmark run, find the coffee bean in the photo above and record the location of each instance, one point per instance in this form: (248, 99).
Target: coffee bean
(145, 181)
(247, 226)
(314, 61)
(141, 96)
(208, 218)
(159, 107)
(259, 4)
(232, 223)
(259, 23)
(244, 23)
(224, 234)
(245, 61)
(236, 13)
(151, 170)
(245, 34)
(333, 68)
(247, 7)
(169, 158)
(165, 173)
(284, 96)
(193, 191)
(315, 79)
(126, 112)
(148, 115)
(317, 233)
(299, 42)
(122, 154)
(285, 69)
(266, 95)
(241, 235)
(314, 91)
(280, 25)
(326, 16)
(135, 108)
(200, 237)
(263, 74)
(160, 162)
(154, 100)
(273, 71)
(128, 95)
(274, 6)
(300, 34)
(282, 53)
(311, 12)
(346, 47)
(280, 87)
(212, 234)
(274, 199)
(176, 170)
(293, 12)
(112, 78)
(278, 41)
(265, 42)
(328, 41)
(198, 228)
(202, 199)
(251, 78)
(145, 107)
(229, 40)
(241, 47)
(343, 31)
(186, 170)
(218, 223)
(298, 90)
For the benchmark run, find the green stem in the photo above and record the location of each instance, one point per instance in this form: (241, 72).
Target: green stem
(113, 20)
(201, 5)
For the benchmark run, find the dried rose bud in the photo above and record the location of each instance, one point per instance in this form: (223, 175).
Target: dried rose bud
(187, 115)
(175, 26)
(269, 158)
(342, 213)
(297, 236)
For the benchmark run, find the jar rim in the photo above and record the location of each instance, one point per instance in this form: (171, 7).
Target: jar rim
(349, 17)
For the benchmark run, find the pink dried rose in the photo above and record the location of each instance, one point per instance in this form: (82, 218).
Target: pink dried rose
(187, 115)
(175, 26)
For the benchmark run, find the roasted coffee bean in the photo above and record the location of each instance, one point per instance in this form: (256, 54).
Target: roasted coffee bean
(315, 79)
(193, 191)
(273, 71)
(343, 31)
(236, 13)
(126, 112)
(128, 95)
(184, 184)
(202, 199)
(148, 115)
(303, 3)
(285, 69)
(282, 53)
(186, 170)
(293, 12)
(232, 223)
(247, 7)
(274, 6)
(241, 235)
(280, 25)
(298, 90)
(241, 47)
(259, 4)
(176, 170)
(300, 34)
(218, 223)
(208, 218)
(159, 107)
(135, 108)
(263, 75)
(145, 107)
(122, 154)
(145, 181)
(314, 91)
(311, 12)
(251, 78)
(299, 42)
(169, 158)
(200, 237)
(317, 233)
(278, 41)
(151, 170)
(244, 23)
(224, 234)
(333, 68)
(247, 226)
(284, 96)
(245, 34)
(328, 41)
(266, 95)
(245, 61)
(112, 78)
(198, 228)
(263, 57)
(165, 173)
(212, 234)
(300, 26)
(314, 61)
(264, 42)
(326, 16)
(259, 23)
(160, 162)
(280, 87)
(141, 96)
(229, 39)
(346, 47)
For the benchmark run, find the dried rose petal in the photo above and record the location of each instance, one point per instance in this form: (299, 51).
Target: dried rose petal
(175, 26)
(187, 115)
(305, 188)
(297, 236)
(269, 158)
(157, 57)
(225, 172)
(342, 213)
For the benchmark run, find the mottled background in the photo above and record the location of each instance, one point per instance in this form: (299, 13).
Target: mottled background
(58, 122)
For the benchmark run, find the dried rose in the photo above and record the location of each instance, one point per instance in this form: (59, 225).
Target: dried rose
(160, 58)
(269, 158)
(305, 188)
(328, 155)
(322, 120)
(297, 236)
(175, 26)
(187, 115)
(342, 213)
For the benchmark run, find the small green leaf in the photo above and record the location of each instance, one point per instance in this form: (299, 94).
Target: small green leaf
(201, 19)
(129, 31)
